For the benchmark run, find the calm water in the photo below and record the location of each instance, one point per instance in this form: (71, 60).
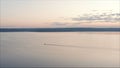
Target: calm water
(59, 49)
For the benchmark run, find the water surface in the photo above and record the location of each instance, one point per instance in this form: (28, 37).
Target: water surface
(59, 49)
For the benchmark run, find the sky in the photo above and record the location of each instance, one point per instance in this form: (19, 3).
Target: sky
(59, 13)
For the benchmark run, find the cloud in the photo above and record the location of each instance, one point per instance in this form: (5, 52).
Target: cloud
(59, 23)
(96, 19)
(104, 17)
(65, 24)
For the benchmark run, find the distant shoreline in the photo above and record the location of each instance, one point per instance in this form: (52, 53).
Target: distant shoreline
(59, 29)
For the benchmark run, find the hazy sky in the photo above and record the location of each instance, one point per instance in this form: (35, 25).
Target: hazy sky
(60, 13)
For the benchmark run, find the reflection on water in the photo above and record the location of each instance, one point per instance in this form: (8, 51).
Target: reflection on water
(59, 49)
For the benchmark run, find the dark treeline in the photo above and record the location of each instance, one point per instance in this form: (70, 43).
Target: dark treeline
(58, 29)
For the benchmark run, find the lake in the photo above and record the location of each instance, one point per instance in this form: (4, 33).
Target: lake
(59, 49)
